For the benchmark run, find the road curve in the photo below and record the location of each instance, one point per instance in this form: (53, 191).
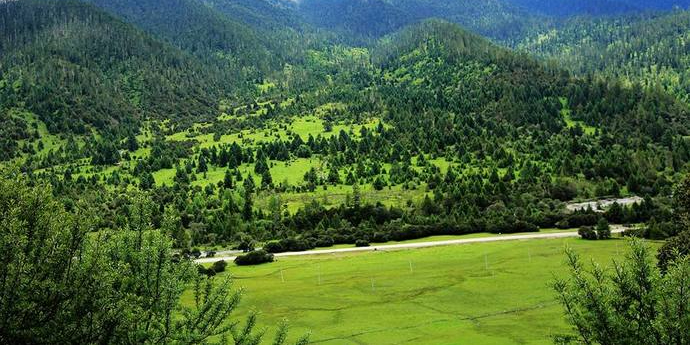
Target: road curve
(615, 229)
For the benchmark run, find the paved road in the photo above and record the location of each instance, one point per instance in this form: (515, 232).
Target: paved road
(615, 229)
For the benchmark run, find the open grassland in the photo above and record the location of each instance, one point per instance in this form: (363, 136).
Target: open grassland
(484, 293)
(304, 126)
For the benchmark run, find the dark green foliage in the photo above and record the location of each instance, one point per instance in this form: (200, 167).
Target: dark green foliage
(361, 243)
(569, 8)
(473, 136)
(198, 29)
(681, 202)
(679, 245)
(288, 245)
(587, 233)
(603, 229)
(106, 153)
(645, 48)
(246, 242)
(219, 266)
(61, 285)
(631, 304)
(676, 247)
(256, 257)
(92, 69)
(375, 18)
(12, 129)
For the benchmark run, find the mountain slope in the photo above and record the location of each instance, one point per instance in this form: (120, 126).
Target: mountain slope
(78, 68)
(275, 23)
(259, 14)
(570, 8)
(199, 29)
(438, 68)
(649, 49)
(374, 18)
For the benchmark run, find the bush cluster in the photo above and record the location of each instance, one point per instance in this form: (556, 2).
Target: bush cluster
(254, 258)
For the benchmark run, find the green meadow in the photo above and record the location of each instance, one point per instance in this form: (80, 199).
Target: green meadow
(482, 293)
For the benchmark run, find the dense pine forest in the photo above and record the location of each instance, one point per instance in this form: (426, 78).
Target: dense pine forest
(289, 126)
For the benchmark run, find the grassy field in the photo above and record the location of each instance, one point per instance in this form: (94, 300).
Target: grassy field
(487, 293)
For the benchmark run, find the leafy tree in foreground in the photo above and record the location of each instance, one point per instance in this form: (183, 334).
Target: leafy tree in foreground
(633, 303)
(60, 284)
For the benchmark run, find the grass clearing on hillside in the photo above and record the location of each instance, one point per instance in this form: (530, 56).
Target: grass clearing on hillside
(50, 142)
(565, 112)
(337, 195)
(483, 293)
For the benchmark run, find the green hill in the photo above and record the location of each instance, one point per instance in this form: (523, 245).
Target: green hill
(77, 68)
(375, 18)
(649, 49)
(195, 27)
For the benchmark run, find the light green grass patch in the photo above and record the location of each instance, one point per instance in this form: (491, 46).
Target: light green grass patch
(265, 86)
(483, 293)
(50, 142)
(565, 112)
(164, 176)
(337, 195)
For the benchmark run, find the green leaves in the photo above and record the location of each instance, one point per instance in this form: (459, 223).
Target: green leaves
(59, 283)
(629, 304)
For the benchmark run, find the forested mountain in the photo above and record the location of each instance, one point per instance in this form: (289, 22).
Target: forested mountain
(470, 135)
(375, 18)
(501, 20)
(196, 27)
(657, 4)
(277, 23)
(652, 50)
(172, 127)
(78, 68)
(596, 7)
(581, 7)
(261, 15)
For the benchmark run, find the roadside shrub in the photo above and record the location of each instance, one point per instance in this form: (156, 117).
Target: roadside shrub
(361, 243)
(675, 247)
(587, 233)
(289, 245)
(219, 266)
(583, 218)
(209, 272)
(634, 232)
(196, 253)
(563, 224)
(273, 247)
(246, 243)
(254, 258)
(603, 229)
(324, 241)
(380, 237)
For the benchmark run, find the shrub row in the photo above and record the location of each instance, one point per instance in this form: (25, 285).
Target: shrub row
(254, 258)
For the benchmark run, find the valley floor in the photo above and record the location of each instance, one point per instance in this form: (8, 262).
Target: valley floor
(480, 293)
